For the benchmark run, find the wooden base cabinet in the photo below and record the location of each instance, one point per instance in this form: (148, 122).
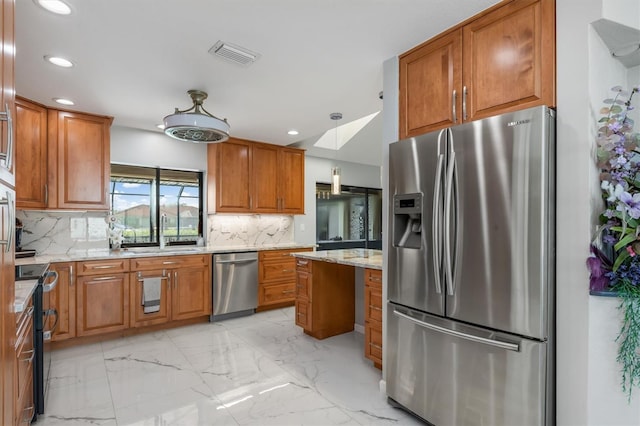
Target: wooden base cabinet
(373, 316)
(63, 299)
(102, 297)
(185, 288)
(276, 278)
(325, 296)
(24, 364)
(501, 60)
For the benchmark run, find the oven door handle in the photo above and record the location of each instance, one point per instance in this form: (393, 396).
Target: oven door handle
(50, 286)
(46, 335)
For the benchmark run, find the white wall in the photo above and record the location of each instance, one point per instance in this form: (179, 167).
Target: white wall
(155, 149)
(319, 170)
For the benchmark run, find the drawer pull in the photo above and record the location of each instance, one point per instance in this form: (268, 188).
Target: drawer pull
(32, 354)
(375, 279)
(288, 291)
(300, 314)
(375, 346)
(29, 412)
(101, 279)
(103, 267)
(168, 262)
(303, 262)
(375, 308)
(288, 270)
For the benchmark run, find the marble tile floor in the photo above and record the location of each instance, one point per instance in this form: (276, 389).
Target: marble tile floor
(256, 370)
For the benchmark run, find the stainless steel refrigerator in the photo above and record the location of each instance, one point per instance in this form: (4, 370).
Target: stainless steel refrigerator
(470, 313)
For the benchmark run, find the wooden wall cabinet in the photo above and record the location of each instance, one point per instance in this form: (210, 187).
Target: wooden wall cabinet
(63, 299)
(325, 295)
(31, 173)
(373, 316)
(501, 60)
(62, 158)
(253, 177)
(102, 297)
(276, 278)
(185, 291)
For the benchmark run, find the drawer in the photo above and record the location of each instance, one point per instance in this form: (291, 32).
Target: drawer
(25, 407)
(277, 293)
(373, 304)
(268, 255)
(169, 262)
(303, 264)
(303, 314)
(25, 315)
(303, 285)
(101, 267)
(25, 356)
(277, 270)
(373, 342)
(373, 277)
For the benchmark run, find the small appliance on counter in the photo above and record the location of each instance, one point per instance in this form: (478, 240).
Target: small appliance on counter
(20, 252)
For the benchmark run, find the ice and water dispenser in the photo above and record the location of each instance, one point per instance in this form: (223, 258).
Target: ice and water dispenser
(407, 220)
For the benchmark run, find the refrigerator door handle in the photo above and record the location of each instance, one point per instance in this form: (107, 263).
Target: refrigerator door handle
(436, 229)
(491, 342)
(447, 222)
(456, 223)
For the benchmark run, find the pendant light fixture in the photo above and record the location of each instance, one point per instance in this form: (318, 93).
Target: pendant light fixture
(335, 171)
(197, 126)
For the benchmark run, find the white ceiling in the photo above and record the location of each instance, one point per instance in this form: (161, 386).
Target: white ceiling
(135, 60)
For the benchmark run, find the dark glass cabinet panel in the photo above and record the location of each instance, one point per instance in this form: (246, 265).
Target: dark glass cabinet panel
(352, 219)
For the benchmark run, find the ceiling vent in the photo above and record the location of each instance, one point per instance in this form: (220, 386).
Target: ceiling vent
(232, 53)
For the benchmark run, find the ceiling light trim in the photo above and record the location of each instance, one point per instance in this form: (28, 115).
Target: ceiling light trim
(58, 7)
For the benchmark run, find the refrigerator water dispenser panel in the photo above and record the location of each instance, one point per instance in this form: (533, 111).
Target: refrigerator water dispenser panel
(407, 221)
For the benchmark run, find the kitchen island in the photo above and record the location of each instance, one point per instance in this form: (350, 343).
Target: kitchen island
(327, 299)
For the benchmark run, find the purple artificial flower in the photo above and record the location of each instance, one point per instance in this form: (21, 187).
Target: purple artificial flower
(632, 204)
(608, 238)
(620, 150)
(615, 126)
(618, 161)
(599, 266)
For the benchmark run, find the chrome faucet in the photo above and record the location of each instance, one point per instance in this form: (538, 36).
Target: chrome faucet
(163, 222)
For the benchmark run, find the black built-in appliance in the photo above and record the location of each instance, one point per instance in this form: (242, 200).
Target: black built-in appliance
(45, 322)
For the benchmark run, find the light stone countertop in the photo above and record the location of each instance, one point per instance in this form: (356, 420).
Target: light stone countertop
(104, 254)
(363, 258)
(24, 291)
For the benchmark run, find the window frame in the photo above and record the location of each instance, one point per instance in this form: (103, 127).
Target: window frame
(155, 207)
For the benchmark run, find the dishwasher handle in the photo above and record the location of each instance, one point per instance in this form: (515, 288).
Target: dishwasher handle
(235, 261)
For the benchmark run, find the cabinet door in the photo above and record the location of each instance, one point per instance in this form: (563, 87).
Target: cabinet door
(63, 299)
(264, 179)
(291, 181)
(509, 58)
(190, 293)
(229, 166)
(138, 317)
(430, 86)
(30, 154)
(7, 87)
(102, 304)
(83, 160)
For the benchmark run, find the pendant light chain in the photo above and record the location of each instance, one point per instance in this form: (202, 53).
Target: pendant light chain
(335, 171)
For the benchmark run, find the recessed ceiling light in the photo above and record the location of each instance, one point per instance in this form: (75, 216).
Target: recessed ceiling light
(160, 126)
(57, 60)
(293, 132)
(64, 101)
(55, 6)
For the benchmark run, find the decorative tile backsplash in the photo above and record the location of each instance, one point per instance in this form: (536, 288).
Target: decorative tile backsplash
(54, 232)
(249, 230)
(63, 232)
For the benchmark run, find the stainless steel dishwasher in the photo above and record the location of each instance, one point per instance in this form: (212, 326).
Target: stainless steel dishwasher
(235, 285)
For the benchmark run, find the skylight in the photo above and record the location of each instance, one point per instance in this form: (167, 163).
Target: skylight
(345, 133)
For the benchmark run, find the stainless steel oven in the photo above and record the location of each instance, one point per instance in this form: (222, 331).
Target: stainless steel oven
(45, 322)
